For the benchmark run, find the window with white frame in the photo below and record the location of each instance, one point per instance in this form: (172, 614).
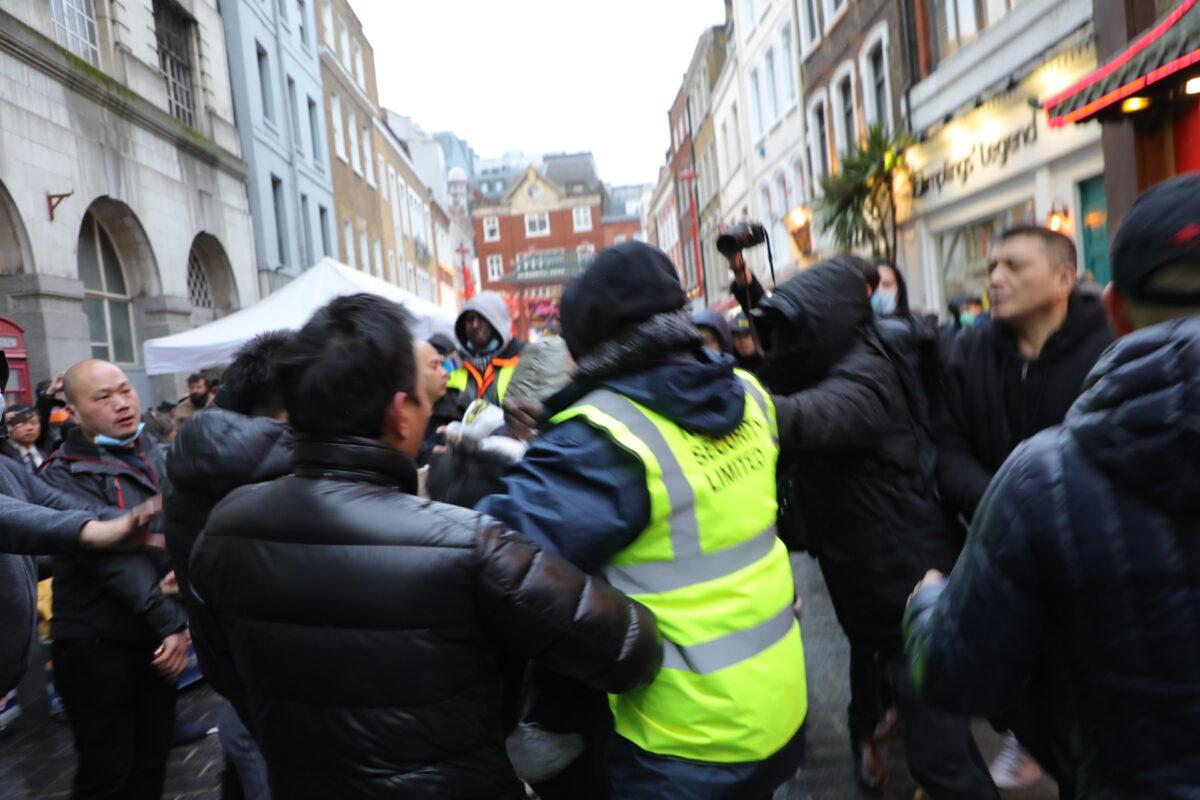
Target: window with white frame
(495, 267)
(756, 107)
(383, 181)
(846, 123)
(391, 273)
(582, 218)
(810, 23)
(75, 28)
(410, 276)
(264, 82)
(355, 154)
(368, 156)
(586, 249)
(294, 115)
(377, 253)
(537, 224)
(834, 11)
(327, 22)
(364, 251)
(789, 66)
(339, 134)
(302, 22)
(772, 86)
(957, 22)
(877, 90)
(173, 33)
(768, 203)
(106, 298)
(279, 210)
(360, 76)
(799, 181)
(344, 44)
(323, 221)
(348, 244)
(737, 134)
(314, 132)
(818, 136)
(620, 238)
(491, 229)
(306, 231)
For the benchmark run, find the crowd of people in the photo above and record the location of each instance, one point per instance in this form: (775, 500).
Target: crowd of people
(480, 568)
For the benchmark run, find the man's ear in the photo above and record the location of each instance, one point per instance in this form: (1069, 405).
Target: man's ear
(1117, 311)
(396, 421)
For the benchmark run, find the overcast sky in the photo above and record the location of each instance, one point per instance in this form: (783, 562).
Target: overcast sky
(541, 75)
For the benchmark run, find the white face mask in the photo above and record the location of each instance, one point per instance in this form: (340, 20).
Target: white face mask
(883, 302)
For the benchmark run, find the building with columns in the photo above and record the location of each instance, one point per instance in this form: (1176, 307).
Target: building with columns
(123, 206)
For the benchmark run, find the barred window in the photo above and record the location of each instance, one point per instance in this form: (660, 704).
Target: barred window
(75, 28)
(199, 292)
(173, 31)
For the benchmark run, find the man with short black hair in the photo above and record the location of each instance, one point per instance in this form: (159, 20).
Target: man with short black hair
(1081, 577)
(24, 430)
(1006, 381)
(242, 439)
(197, 399)
(368, 625)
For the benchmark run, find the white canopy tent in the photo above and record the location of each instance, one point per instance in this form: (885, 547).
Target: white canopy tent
(289, 308)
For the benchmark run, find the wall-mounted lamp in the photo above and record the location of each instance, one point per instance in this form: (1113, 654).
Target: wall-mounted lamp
(1133, 105)
(1059, 220)
(1192, 86)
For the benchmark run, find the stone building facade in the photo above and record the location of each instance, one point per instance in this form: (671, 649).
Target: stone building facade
(123, 206)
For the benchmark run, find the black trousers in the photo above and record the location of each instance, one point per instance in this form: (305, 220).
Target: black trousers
(122, 716)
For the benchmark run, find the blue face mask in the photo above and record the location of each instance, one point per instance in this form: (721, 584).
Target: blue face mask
(108, 441)
(883, 302)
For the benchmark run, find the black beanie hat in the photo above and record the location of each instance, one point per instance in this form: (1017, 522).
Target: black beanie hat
(625, 286)
(1162, 228)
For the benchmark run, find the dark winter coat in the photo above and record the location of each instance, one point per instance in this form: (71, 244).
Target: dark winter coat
(111, 595)
(995, 399)
(1081, 576)
(583, 496)
(35, 519)
(861, 473)
(368, 625)
(215, 453)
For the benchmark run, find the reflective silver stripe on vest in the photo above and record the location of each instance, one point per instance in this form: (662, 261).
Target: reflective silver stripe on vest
(685, 532)
(733, 648)
(762, 405)
(655, 577)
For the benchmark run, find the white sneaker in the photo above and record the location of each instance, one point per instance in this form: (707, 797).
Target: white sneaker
(1014, 768)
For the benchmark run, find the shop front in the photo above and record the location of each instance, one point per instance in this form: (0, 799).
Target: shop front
(1145, 97)
(998, 164)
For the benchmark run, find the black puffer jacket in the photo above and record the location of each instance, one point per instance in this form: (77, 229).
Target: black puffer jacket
(111, 595)
(1082, 570)
(215, 453)
(859, 484)
(368, 625)
(994, 398)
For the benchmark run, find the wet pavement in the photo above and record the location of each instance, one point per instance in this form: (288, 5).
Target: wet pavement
(37, 760)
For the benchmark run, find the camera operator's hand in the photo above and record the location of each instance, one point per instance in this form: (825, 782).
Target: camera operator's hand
(521, 417)
(741, 271)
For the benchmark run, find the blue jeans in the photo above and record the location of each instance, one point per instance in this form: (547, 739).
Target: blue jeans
(243, 752)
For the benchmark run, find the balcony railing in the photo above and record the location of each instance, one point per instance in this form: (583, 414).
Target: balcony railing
(546, 267)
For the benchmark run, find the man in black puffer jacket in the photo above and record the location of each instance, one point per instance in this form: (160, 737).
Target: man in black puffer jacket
(240, 439)
(367, 624)
(1081, 574)
(867, 505)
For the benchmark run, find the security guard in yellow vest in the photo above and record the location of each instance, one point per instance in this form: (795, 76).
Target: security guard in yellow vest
(489, 352)
(656, 468)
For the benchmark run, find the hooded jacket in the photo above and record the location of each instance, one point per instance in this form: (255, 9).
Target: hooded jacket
(994, 398)
(368, 626)
(858, 484)
(1081, 577)
(717, 324)
(492, 308)
(574, 472)
(215, 453)
(111, 595)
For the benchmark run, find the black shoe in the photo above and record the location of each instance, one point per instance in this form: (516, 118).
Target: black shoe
(869, 767)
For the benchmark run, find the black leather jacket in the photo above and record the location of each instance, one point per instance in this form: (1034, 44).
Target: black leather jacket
(368, 626)
(109, 595)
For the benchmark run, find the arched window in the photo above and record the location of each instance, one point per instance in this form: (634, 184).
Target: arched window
(199, 291)
(106, 300)
(785, 194)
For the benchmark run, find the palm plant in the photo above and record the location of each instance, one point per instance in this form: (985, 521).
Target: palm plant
(858, 202)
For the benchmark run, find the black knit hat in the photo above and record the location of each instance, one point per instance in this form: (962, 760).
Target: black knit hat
(625, 285)
(1162, 228)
